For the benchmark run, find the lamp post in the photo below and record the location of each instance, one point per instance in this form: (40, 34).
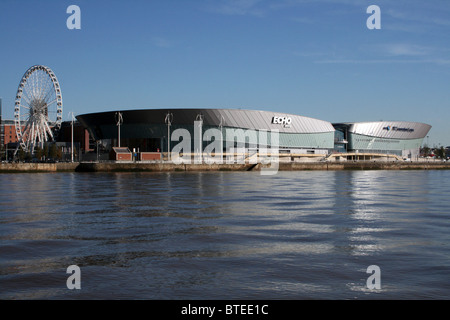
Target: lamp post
(199, 149)
(168, 120)
(98, 147)
(221, 136)
(119, 121)
(71, 148)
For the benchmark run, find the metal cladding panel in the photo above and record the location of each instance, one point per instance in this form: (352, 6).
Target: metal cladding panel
(229, 119)
(252, 119)
(391, 129)
(247, 119)
(259, 116)
(239, 120)
(211, 116)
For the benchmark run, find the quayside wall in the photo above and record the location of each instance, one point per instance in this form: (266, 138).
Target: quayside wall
(171, 167)
(38, 167)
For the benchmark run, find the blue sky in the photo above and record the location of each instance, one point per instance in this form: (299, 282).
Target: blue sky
(315, 58)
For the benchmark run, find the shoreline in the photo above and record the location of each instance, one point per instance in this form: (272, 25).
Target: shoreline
(171, 167)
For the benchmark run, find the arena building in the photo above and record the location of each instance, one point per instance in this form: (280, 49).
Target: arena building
(400, 138)
(147, 130)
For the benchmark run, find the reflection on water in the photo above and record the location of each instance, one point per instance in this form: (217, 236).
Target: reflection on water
(225, 235)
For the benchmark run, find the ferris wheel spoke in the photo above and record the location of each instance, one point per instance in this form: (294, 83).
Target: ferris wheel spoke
(26, 129)
(39, 136)
(35, 137)
(44, 133)
(48, 130)
(50, 95)
(26, 99)
(34, 84)
(26, 104)
(27, 126)
(47, 89)
(27, 95)
(31, 136)
(40, 85)
(51, 102)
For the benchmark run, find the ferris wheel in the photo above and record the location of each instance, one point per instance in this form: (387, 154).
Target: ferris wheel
(38, 108)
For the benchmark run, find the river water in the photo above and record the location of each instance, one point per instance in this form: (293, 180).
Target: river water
(226, 235)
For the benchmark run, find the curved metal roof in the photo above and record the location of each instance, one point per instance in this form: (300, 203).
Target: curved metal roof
(237, 118)
(390, 129)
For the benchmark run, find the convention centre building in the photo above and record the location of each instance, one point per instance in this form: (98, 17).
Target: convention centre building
(400, 138)
(147, 130)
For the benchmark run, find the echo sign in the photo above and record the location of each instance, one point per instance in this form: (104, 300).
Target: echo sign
(282, 120)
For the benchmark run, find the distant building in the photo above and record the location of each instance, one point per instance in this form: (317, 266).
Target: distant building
(80, 135)
(9, 132)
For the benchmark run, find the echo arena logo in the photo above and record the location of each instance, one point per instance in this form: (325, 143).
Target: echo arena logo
(286, 121)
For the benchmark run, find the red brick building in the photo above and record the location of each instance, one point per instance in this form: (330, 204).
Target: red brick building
(80, 135)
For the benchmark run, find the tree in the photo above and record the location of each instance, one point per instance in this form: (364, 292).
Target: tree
(21, 154)
(52, 153)
(425, 151)
(38, 152)
(59, 153)
(45, 151)
(440, 152)
(3, 153)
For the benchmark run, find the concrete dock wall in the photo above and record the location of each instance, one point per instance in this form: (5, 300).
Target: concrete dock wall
(38, 167)
(170, 167)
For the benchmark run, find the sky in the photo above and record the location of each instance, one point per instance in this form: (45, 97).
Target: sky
(315, 58)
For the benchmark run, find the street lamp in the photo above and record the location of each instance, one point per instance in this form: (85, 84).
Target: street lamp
(221, 135)
(168, 120)
(71, 150)
(199, 149)
(98, 151)
(119, 121)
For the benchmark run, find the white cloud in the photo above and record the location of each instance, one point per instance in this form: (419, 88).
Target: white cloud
(398, 53)
(384, 61)
(423, 18)
(404, 49)
(236, 7)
